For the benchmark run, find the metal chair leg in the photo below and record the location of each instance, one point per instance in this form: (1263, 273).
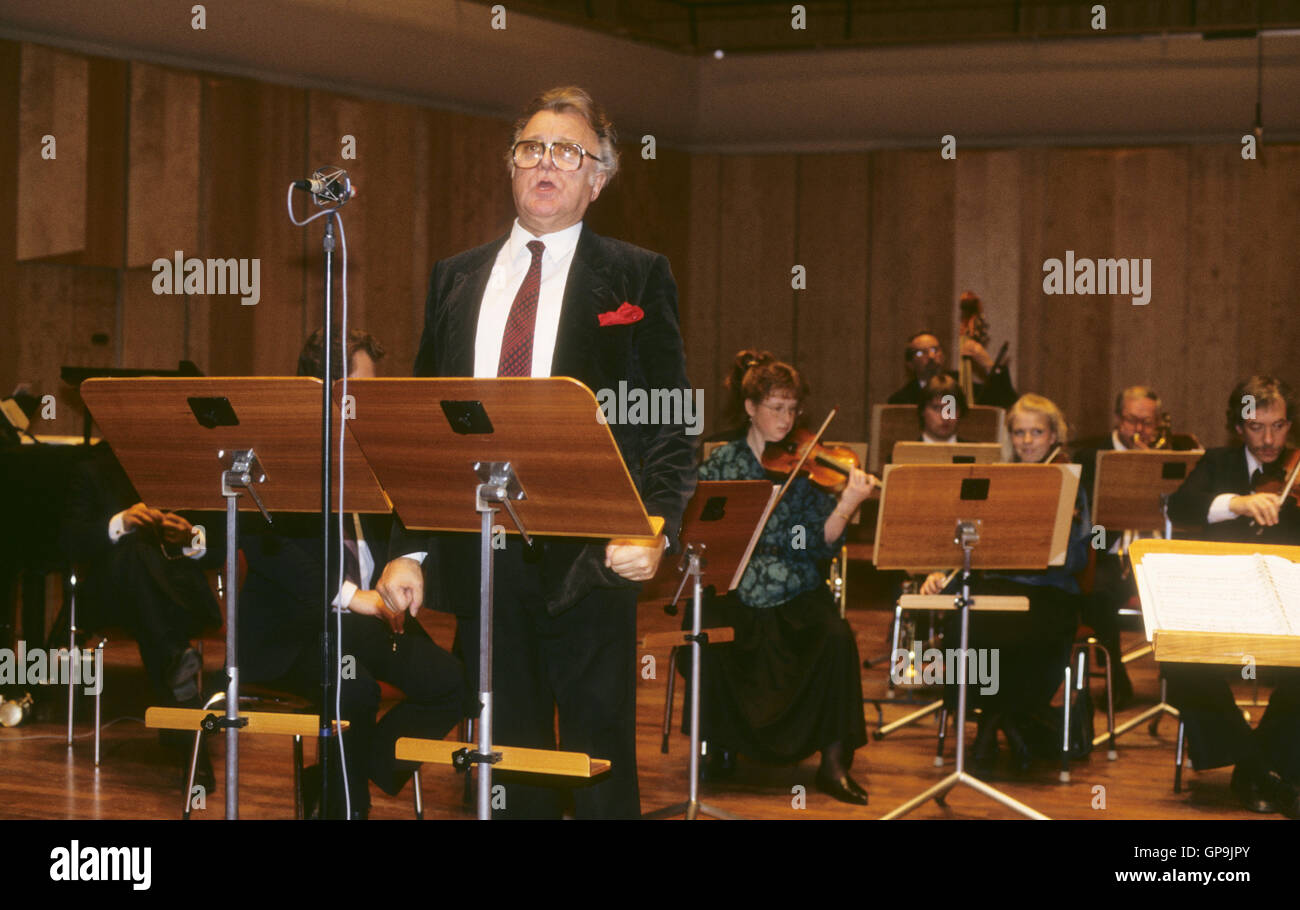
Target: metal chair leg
(943, 733)
(1112, 749)
(99, 691)
(1065, 732)
(668, 700)
(72, 648)
(1178, 756)
(419, 797)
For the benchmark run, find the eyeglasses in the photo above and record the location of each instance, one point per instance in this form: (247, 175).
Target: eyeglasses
(933, 351)
(566, 156)
(784, 409)
(1131, 421)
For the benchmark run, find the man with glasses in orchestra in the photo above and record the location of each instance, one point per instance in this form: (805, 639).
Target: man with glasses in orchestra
(924, 358)
(1219, 496)
(554, 299)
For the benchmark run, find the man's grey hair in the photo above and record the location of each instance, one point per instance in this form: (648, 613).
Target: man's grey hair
(572, 99)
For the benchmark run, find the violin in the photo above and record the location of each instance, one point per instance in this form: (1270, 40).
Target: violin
(829, 467)
(1270, 482)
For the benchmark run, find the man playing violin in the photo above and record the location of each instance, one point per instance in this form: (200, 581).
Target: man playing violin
(1221, 496)
(924, 358)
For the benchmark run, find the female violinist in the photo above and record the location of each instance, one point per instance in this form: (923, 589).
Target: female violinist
(790, 683)
(1033, 649)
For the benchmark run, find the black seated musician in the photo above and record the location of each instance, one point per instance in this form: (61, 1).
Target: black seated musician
(280, 626)
(1136, 428)
(790, 684)
(1032, 649)
(139, 568)
(941, 406)
(1217, 496)
(924, 358)
(552, 298)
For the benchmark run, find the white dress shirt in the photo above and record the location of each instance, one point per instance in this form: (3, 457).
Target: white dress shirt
(508, 273)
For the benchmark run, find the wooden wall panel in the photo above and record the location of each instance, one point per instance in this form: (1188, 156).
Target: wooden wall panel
(1211, 345)
(1270, 236)
(756, 253)
(154, 328)
(912, 241)
(163, 164)
(1151, 221)
(254, 144)
(390, 171)
(54, 100)
(987, 254)
(68, 316)
(832, 326)
(10, 99)
(704, 360)
(1064, 341)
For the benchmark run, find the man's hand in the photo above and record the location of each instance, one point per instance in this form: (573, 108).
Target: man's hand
(141, 516)
(175, 530)
(1262, 507)
(402, 585)
(975, 351)
(934, 583)
(635, 563)
(370, 603)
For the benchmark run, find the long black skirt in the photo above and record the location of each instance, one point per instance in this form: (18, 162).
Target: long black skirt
(789, 685)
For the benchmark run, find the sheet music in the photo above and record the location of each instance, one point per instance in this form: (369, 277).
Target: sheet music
(1285, 576)
(1218, 593)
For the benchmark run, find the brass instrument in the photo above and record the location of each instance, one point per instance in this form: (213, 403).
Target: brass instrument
(1164, 434)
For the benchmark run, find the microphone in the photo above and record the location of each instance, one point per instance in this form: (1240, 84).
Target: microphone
(328, 186)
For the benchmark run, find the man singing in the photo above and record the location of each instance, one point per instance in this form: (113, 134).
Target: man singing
(552, 298)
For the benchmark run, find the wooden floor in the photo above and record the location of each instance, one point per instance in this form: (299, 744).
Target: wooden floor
(41, 778)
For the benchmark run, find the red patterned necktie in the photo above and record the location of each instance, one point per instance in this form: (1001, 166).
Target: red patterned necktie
(517, 342)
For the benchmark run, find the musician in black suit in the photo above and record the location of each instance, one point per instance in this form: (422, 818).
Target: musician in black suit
(280, 626)
(554, 299)
(1136, 428)
(924, 358)
(1218, 496)
(138, 568)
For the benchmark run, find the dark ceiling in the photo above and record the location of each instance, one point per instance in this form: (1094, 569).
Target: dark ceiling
(706, 26)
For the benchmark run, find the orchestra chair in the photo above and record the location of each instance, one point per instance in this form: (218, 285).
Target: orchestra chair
(1079, 673)
(77, 653)
(253, 697)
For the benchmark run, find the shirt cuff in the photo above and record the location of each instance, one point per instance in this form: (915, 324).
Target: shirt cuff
(117, 527)
(345, 595)
(1219, 510)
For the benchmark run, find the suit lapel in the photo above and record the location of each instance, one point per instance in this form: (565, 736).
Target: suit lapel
(586, 291)
(464, 301)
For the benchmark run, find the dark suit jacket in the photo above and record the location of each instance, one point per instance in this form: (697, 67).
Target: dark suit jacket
(647, 354)
(1223, 470)
(280, 609)
(99, 488)
(997, 392)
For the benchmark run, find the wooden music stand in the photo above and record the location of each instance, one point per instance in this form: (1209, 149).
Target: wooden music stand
(1202, 647)
(195, 444)
(720, 521)
(448, 449)
(1131, 487)
(911, 452)
(892, 423)
(1020, 517)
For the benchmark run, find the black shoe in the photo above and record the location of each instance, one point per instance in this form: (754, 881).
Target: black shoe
(1021, 758)
(1284, 795)
(718, 764)
(985, 751)
(843, 787)
(1251, 791)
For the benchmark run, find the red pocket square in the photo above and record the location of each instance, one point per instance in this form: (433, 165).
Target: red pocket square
(625, 315)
